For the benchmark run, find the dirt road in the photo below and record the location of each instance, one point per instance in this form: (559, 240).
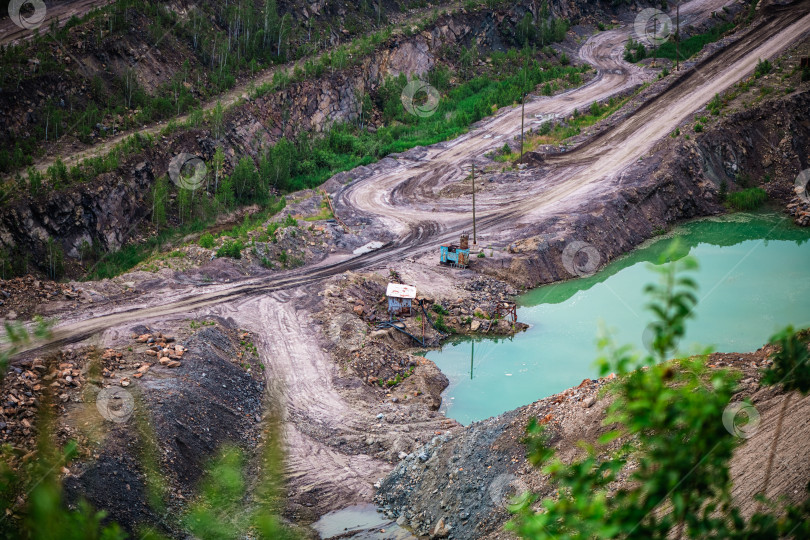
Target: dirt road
(61, 12)
(307, 374)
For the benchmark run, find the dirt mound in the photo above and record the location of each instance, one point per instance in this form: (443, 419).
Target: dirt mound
(182, 417)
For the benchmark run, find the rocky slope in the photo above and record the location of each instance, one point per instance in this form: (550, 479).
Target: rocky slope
(459, 485)
(148, 415)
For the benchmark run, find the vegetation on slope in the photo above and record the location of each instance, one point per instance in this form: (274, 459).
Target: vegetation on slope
(635, 51)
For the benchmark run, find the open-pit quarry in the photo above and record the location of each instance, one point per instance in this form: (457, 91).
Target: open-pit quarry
(410, 422)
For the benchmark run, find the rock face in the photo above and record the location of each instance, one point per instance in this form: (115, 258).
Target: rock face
(103, 212)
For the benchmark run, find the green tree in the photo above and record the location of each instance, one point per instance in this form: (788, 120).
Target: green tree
(225, 196)
(218, 165)
(34, 182)
(185, 205)
(218, 121)
(283, 155)
(55, 259)
(160, 195)
(247, 181)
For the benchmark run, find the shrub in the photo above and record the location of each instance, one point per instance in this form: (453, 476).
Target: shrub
(441, 326)
(747, 199)
(763, 68)
(207, 241)
(231, 248)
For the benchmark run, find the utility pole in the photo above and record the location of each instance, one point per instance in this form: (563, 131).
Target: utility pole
(523, 105)
(522, 109)
(473, 194)
(677, 33)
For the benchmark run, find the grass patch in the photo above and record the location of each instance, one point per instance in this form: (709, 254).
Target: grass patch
(693, 45)
(324, 214)
(747, 199)
(550, 133)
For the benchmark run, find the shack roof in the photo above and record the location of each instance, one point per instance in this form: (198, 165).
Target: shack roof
(397, 290)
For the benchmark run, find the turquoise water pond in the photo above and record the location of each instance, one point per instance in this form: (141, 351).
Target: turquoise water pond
(754, 278)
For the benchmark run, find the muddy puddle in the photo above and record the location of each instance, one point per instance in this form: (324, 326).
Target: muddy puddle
(753, 280)
(361, 522)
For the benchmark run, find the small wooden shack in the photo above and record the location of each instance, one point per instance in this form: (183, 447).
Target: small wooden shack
(400, 298)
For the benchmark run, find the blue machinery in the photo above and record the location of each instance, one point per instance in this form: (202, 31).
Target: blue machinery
(456, 255)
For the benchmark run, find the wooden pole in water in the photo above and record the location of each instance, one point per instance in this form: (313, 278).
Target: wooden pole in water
(475, 241)
(472, 355)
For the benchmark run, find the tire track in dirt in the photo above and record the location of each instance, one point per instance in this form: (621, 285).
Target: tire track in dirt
(302, 373)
